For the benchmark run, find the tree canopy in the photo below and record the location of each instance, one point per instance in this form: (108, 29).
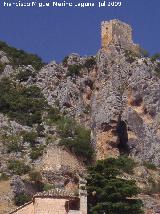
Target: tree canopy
(108, 193)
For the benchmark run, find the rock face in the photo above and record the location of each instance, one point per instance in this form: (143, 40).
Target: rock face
(125, 108)
(118, 97)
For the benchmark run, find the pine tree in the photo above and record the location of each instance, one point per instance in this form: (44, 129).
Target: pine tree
(110, 194)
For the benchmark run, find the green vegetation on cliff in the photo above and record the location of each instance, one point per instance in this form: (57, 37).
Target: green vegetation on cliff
(73, 136)
(18, 167)
(25, 105)
(20, 57)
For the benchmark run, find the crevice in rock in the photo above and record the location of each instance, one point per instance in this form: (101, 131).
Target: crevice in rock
(122, 137)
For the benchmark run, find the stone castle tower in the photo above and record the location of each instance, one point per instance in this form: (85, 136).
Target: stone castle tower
(118, 33)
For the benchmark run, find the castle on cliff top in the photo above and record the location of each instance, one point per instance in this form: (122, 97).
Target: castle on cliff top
(117, 33)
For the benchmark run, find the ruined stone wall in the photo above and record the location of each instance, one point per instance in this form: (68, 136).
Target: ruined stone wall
(106, 34)
(49, 206)
(54, 160)
(117, 33)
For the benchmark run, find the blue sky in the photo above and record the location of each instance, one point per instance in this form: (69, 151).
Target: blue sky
(53, 33)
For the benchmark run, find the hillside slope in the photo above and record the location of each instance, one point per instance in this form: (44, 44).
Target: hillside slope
(83, 109)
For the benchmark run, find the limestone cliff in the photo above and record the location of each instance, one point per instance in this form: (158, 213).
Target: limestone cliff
(118, 97)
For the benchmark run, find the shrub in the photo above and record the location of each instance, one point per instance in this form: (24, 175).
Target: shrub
(150, 165)
(3, 177)
(18, 167)
(76, 138)
(21, 199)
(155, 57)
(30, 137)
(36, 152)
(153, 188)
(144, 52)
(51, 139)
(35, 176)
(40, 130)
(47, 187)
(157, 69)
(74, 70)
(2, 66)
(130, 56)
(90, 62)
(32, 92)
(14, 147)
(13, 143)
(54, 115)
(66, 127)
(20, 57)
(107, 193)
(65, 60)
(26, 105)
(24, 75)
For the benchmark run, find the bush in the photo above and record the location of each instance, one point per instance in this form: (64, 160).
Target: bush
(153, 188)
(35, 176)
(155, 57)
(24, 75)
(90, 62)
(144, 52)
(130, 56)
(26, 105)
(20, 57)
(107, 193)
(30, 137)
(18, 167)
(66, 127)
(13, 143)
(2, 66)
(3, 177)
(51, 139)
(76, 138)
(32, 92)
(157, 69)
(74, 70)
(65, 60)
(54, 115)
(36, 152)
(47, 187)
(21, 199)
(14, 147)
(40, 130)
(150, 165)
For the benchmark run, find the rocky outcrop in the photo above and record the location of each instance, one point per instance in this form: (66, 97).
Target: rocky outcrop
(70, 93)
(125, 108)
(121, 92)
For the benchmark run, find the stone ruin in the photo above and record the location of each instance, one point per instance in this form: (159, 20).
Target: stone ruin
(118, 33)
